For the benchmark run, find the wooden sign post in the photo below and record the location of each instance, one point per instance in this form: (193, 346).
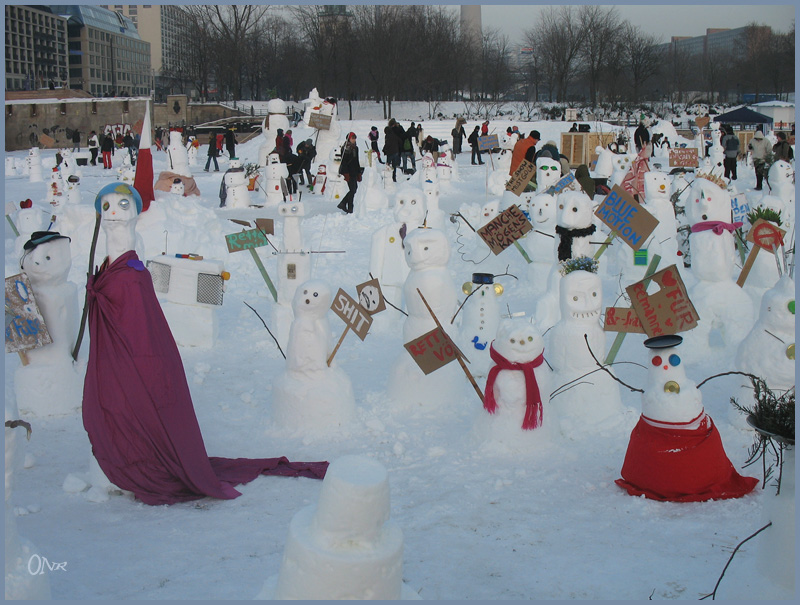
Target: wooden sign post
(250, 240)
(626, 218)
(357, 315)
(25, 327)
(669, 310)
(505, 229)
(765, 236)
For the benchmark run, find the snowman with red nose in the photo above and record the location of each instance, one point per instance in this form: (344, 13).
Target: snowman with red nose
(675, 452)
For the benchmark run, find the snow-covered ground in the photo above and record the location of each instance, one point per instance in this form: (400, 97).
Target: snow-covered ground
(540, 521)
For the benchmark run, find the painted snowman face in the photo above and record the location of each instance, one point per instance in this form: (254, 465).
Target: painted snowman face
(581, 296)
(273, 159)
(548, 173)
(780, 173)
(426, 248)
(622, 163)
(518, 341)
(48, 263)
(312, 298)
(410, 206)
(489, 211)
(291, 209)
(574, 210)
(118, 208)
(777, 307)
(370, 298)
(431, 194)
(543, 210)
(656, 186)
(427, 161)
(708, 202)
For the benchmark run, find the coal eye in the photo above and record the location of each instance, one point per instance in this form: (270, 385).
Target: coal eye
(513, 341)
(594, 293)
(316, 294)
(656, 360)
(413, 202)
(575, 298)
(674, 360)
(47, 258)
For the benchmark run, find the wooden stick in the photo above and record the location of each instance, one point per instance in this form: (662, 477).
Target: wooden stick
(23, 356)
(458, 353)
(264, 274)
(748, 265)
(338, 344)
(86, 300)
(605, 245)
(13, 226)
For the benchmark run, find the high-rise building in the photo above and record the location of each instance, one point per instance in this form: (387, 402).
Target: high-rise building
(36, 48)
(165, 27)
(715, 40)
(471, 22)
(107, 56)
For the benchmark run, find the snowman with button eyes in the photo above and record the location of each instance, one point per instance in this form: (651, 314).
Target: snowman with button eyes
(675, 452)
(294, 266)
(235, 183)
(33, 165)
(480, 321)
(595, 403)
(311, 395)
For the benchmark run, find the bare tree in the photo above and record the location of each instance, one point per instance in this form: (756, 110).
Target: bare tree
(643, 58)
(600, 25)
(558, 36)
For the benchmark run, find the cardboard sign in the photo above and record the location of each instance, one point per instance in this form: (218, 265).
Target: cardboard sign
(432, 350)
(46, 141)
(267, 225)
(521, 177)
(765, 235)
(702, 122)
(685, 157)
(488, 142)
(504, 229)
(739, 208)
(354, 315)
(669, 310)
(370, 296)
(25, 327)
(245, 240)
(620, 319)
(319, 121)
(566, 183)
(11, 207)
(626, 217)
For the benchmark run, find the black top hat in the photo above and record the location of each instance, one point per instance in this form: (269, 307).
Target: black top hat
(663, 342)
(482, 278)
(40, 237)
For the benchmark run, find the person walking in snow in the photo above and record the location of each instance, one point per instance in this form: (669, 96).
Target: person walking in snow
(782, 149)
(459, 134)
(759, 147)
(94, 147)
(641, 135)
(391, 148)
(730, 143)
(305, 154)
(473, 141)
(350, 169)
(76, 141)
(373, 142)
(107, 149)
(230, 142)
(213, 152)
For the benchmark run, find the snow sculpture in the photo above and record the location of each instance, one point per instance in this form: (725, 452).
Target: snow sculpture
(538, 243)
(68, 165)
(327, 141)
(73, 189)
(387, 254)
(237, 195)
(276, 119)
(55, 192)
(781, 183)
(675, 452)
(126, 173)
(595, 404)
(622, 163)
(33, 164)
(345, 546)
(21, 583)
(480, 317)
(574, 225)
(373, 197)
(177, 187)
(275, 172)
(177, 154)
(294, 267)
(444, 164)
(311, 396)
(548, 173)
(191, 150)
(604, 167)
(11, 167)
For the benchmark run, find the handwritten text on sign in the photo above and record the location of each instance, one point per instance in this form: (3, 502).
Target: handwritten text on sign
(488, 142)
(504, 229)
(25, 328)
(566, 183)
(669, 310)
(521, 177)
(245, 240)
(619, 319)
(319, 121)
(626, 218)
(432, 350)
(683, 156)
(351, 313)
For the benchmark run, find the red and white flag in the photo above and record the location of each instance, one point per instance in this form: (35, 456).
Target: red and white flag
(143, 181)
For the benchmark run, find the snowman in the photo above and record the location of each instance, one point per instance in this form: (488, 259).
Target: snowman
(726, 311)
(49, 385)
(177, 156)
(21, 582)
(768, 350)
(68, 165)
(276, 172)
(781, 183)
(716, 153)
(444, 164)
(327, 140)
(337, 187)
(29, 218)
(55, 191)
(73, 189)
(517, 394)
(294, 266)
(177, 187)
(765, 273)
(538, 243)
(191, 150)
(427, 253)
(33, 165)
(387, 253)
(126, 173)
(480, 319)
(235, 183)
(548, 173)
(373, 197)
(498, 178)
(675, 452)
(429, 173)
(310, 396)
(435, 217)
(621, 164)
(574, 226)
(604, 167)
(11, 167)
(276, 119)
(595, 403)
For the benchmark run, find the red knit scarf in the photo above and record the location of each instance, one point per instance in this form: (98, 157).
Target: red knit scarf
(533, 400)
(716, 226)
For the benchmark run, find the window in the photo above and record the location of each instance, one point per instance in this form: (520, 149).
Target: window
(33, 110)
(94, 103)
(63, 108)
(125, 108)
(9, 110)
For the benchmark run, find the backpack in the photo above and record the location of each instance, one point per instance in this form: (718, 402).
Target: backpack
(732, 143)
(407, 145)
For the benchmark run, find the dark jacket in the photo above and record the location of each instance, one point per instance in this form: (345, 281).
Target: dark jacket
(108, 144)
(641, 136)
(782, 150)
(350, 167)
(473, 138)
(212, 146)
(391, 143)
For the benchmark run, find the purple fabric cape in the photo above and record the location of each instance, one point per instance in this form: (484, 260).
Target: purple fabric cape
(137, 408)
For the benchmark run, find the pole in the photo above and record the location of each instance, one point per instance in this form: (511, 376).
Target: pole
(86, 300)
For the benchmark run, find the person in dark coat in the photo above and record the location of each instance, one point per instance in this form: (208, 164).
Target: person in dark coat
(373, 141)
(76, 141)
(213, 152)
(473, 141)
(782, 149)
(458, 135)
(391, 147)
(306, 152)
(641, 136)
(431, 145)
(107, 149)
(230, 142)
(350, 169)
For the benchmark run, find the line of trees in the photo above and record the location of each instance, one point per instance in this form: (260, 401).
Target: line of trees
(376, 52)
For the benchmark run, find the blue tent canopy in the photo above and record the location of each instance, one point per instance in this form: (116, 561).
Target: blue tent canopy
(743, 115)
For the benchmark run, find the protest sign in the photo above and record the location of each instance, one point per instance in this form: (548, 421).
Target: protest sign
(25, 327)
(488, 142)
(521, 177)
(764, 235)
(667, 311)
(506, 228)
(353, 314)
(370, 296)
(319, 121)
(432, 350)
(685, 157)
(626, 218)
(619, 319)
(245, 240)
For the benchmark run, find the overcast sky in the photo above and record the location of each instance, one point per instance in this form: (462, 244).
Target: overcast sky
(665, 19)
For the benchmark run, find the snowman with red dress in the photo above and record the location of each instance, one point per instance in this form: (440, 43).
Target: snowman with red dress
(675, 452)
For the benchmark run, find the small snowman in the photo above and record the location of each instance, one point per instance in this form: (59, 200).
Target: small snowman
(68, 165)
(429, 174)
(480, 320)
(126, 173)
(387, 253)
(33, 165)
(781, 183)
(73, 189)
(517, 390)
(294, 266)
(310, 396)
(621, 163)
(177, 187)
(177, 156)
(30, 218)
(49, 385)
(235, 183)
(548, 173)
(11, 167)
(275, 173)
(574, 226)
(373, 198)
(191, 150)
(55, 191)
(444, 164)
(675, 452)
(604, 167)
(538, 243)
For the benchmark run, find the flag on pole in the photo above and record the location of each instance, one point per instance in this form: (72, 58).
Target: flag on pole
(143, 181)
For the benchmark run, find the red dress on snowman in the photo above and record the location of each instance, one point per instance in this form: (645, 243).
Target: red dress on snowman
(679, 461)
